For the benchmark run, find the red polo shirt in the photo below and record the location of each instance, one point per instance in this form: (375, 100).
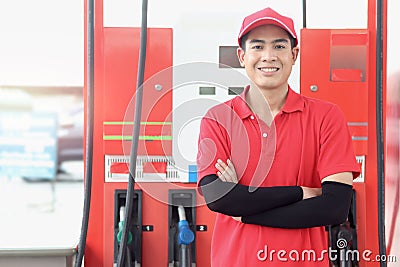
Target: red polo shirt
(307, 141)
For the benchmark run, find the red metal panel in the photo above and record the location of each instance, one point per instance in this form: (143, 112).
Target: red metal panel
(346, 75)
(357, 38)
(324, 53)
(344, 86)
(121, 51)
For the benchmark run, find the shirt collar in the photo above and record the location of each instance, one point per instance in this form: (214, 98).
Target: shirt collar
(240, 105)
(294, 102)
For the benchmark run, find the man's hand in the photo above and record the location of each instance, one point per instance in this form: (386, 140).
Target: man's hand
(226, 171)
(309, 192)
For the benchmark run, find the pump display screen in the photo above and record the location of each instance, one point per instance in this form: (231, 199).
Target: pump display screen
(228, 57)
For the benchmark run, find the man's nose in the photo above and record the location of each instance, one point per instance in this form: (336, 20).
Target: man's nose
(268, 55)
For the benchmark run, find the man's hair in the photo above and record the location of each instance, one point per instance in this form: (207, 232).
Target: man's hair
(244, 39)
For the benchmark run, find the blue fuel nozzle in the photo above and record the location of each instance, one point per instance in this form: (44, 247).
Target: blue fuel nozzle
(185, 235)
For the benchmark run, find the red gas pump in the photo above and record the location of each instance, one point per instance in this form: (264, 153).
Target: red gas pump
(158, 192)
(341, 66)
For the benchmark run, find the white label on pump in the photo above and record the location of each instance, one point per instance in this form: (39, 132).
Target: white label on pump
(361, 177)
(148, 169)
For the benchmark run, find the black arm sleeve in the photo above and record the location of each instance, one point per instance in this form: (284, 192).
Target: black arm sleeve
(238, 200)
(332, 207)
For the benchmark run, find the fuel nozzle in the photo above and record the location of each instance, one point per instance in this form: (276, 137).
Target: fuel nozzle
(185, 234)
(185, 238)
(121, 226)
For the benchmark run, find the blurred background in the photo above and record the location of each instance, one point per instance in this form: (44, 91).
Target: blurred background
(41, 123)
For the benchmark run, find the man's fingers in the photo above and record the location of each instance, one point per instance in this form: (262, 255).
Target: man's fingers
(222, 164)
(225, 177)
(226, 171)
(223, 174)
(231, 169)
(219, 174)
(219, 167)
(230, 165)
(227, 168)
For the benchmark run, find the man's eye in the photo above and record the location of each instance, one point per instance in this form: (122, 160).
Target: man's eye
(257, 47)
(280, 46)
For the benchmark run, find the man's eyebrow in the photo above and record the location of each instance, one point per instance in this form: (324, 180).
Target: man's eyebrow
(280, 40)
(252, 41)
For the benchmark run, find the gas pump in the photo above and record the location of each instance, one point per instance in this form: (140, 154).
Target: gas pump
(344, 67)
(158, 224)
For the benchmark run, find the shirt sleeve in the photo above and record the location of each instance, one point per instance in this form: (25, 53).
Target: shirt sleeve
(336, 147)
(213, 144)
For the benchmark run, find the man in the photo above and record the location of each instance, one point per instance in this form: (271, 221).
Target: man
(265, 155)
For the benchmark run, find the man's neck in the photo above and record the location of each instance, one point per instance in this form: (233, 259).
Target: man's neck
(266, 103)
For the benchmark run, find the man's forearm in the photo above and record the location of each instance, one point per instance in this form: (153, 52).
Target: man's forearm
(330, 208)
(237, 200)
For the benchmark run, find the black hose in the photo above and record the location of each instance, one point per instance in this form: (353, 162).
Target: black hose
(304, 13)
(379, 130)
(135, 136)
(89, 132)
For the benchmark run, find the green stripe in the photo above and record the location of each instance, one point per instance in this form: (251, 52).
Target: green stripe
(141, 123)
(141, 137)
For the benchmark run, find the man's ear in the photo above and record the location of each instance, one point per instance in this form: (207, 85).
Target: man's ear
(295, 53)
(240, 55)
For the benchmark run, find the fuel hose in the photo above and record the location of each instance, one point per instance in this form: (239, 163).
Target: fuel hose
(135, 137)
(89, 132)
(379, 130)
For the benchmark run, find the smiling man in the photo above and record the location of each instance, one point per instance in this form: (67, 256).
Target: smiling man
(276, 166)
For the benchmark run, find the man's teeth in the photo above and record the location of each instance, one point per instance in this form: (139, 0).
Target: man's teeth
(269, 69)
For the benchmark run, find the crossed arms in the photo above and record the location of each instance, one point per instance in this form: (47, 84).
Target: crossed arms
(280, 206)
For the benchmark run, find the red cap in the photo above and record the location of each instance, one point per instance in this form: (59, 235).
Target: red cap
(264, 17)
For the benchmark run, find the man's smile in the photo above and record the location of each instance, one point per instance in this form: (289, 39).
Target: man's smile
(268, 69)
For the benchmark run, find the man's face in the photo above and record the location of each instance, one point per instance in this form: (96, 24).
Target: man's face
(268, 58)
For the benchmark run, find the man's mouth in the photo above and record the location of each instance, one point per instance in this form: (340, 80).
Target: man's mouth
(269, 69)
